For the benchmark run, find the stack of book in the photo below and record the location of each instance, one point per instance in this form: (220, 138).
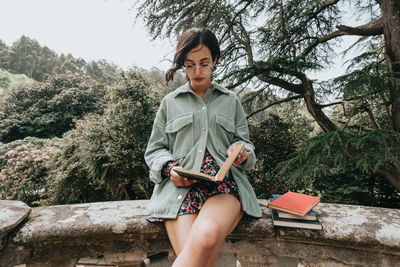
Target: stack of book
(294, 210)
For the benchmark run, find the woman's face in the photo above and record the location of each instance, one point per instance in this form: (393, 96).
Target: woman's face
(198, 64)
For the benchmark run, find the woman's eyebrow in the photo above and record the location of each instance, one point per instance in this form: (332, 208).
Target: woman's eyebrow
(200, 59)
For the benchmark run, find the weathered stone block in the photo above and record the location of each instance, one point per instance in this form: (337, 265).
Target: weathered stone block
(118, 232)
(12, 213)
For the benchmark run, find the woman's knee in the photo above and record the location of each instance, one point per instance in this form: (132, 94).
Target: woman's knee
(208, 235)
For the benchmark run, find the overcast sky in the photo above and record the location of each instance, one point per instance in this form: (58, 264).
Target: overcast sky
(93, 30)
(89, 29)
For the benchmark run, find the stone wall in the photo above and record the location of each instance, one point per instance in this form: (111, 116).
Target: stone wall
(117, 233)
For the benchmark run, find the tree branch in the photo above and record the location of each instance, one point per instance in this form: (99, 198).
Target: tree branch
(372, 28)
(295, 88)
(234, 18)
(253, 95)
(323, 39)
(320, 117)
(356, 127)
(231, 86)
(351, 116)
(330, 104)
(372, 119)
(284, 32)
(387, 108)
(324, 5)
(299, 75)
(244, 87)
(250, 58)
(275, 103)
(245, 43)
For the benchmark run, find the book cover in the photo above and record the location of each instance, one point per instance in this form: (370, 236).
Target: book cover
(222, 171)
(311, 215)
(294, 203)
(295, 223)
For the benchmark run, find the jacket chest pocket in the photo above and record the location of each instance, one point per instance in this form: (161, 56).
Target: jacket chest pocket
(224, 131)
(180, 134)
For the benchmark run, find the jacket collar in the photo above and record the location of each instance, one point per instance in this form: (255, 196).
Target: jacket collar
(187, 89)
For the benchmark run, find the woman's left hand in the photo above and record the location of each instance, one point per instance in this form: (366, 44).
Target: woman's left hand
(241, 157)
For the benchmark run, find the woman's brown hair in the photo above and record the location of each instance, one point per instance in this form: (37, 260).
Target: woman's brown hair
(189, 40)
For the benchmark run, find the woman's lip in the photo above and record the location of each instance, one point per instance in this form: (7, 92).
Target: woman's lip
(198, 79)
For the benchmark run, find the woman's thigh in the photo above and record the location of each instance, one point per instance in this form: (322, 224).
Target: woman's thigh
(178, 230)
(223, 211)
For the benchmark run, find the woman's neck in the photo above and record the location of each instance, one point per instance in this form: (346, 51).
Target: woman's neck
(201, 90)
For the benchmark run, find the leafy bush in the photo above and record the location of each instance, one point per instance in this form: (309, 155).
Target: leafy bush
(103, 156)
(69, 181)
(273, 144)
(25, 165)
(48, 109)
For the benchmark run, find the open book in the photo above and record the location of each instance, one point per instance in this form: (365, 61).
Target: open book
(222, 171)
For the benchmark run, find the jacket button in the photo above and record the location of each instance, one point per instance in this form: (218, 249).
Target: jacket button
(180, 196)
(203, 108)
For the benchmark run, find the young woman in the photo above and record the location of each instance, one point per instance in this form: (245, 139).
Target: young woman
(195, 128)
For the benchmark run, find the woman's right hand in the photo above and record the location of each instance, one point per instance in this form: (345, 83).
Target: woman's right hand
(178, 180)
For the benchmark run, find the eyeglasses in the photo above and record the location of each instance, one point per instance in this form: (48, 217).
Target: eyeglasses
(204, 67)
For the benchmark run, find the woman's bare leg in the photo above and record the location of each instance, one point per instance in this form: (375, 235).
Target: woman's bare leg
(178, 230)
(217, 218)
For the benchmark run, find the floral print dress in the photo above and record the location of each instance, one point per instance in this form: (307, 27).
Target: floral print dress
(199, 191)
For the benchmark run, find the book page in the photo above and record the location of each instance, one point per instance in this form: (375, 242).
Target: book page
(229, 161)
(194, 175)
(222, 171)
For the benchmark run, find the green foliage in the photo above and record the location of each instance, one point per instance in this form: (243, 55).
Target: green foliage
(274, 67)
(367, 152)
(273, 144)
(301, 125)
(349, 161)
(272, 46)
(10, 81)
(355, 187)
(24, 166)
(271, 136)
(255, 36)
(4, 81)
(157, 78)
(368, 82)
(48, 109)
(69, 180)
(105, 152)
(27, 56)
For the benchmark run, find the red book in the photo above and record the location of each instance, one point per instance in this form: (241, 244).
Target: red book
(294, 203)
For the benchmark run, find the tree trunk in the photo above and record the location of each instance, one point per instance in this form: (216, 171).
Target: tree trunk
(391, 30)
(392, 177)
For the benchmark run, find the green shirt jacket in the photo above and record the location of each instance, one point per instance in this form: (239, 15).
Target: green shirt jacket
(184, 127)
